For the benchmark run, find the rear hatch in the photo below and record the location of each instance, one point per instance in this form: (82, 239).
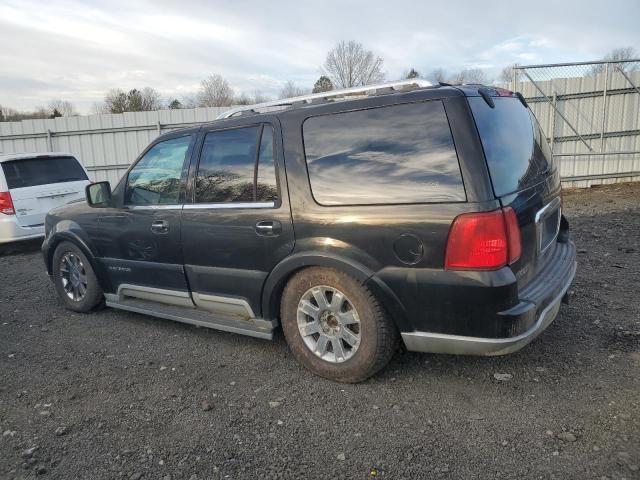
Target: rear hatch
(523, 174)
(41, 183)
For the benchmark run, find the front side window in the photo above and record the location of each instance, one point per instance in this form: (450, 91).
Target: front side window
(385, 155)
(237, 165)
(155, 180)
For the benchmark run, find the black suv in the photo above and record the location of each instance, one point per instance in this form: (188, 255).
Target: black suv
(430, 215)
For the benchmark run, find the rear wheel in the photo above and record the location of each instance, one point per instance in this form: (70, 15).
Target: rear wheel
(335, 326)
(74, 279)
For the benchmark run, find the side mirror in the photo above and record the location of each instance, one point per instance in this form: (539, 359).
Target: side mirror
(98, 194)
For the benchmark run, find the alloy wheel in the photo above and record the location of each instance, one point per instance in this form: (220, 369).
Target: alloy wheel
(329, 324)
(74, 276)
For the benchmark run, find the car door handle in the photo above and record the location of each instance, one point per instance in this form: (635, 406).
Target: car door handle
(160, 226)
(269, 228)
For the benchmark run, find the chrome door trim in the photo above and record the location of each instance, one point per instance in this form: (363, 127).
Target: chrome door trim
(153, 207)
(223, 305)
(202, 206)
(159, 295)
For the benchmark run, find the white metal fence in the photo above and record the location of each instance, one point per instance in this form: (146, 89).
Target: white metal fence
(591, 113)
(106, 144)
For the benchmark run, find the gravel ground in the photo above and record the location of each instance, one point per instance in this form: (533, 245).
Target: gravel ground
(119, 395)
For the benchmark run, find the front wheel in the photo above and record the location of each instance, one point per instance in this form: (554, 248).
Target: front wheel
(74, 279)
(335, 326)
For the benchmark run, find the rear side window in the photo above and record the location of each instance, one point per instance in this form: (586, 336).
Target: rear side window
(386, 155)
(237, 165)
(517, 152)
(42, 171)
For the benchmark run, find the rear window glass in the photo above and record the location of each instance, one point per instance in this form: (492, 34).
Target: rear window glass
(517, 152)
(386, 155)
(41, 171)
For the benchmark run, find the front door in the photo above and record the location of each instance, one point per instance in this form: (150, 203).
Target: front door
(237, 226)
(140, 238)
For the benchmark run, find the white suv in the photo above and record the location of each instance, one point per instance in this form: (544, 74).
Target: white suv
(31, 184)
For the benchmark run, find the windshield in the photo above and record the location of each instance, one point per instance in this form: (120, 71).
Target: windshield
(41, 171)
(516, 150)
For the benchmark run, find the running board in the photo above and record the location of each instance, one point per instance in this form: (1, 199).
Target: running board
(254, 327)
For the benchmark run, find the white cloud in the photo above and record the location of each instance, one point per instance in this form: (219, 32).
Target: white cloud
(77, 49)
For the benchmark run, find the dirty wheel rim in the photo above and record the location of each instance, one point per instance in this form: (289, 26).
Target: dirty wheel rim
(329, 324)
(73, 276)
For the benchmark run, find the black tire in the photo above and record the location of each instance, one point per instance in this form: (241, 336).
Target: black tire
(378, 335)
(93, 296)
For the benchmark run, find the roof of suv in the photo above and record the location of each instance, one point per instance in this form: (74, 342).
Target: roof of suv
(5, 157)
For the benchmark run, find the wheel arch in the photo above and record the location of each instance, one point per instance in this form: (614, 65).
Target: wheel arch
(280, 275)
(70, 234)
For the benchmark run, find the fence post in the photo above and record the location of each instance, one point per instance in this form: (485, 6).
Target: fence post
(553, 120)
(49, 141)
(514, 79)
(604, 106)
(159, 127)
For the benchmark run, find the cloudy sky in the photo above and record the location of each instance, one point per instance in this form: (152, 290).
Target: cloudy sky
(77, 50)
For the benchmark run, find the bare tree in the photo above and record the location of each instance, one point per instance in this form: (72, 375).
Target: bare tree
(189, 101)
(259, 97)
(242, 99)
(115, 101)
(437, 75)
(118, 101)
(215, 92)
(618, 55)
(506, 74)
(349, 64)
(63, 107)
(470, 75)
(290, 89)
(150, 99)
(12, 115)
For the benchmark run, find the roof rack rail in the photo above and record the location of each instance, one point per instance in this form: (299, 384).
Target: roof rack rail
(332, 94)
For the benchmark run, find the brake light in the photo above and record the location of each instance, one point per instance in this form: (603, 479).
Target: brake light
(514, 244)
(6, 204)
(503, 92)
(483, 241)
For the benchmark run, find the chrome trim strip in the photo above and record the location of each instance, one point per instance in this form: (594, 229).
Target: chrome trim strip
(543, 213)
(547, 209)
(223, 305)
(153, 207)
(202, 206)
(160, 295)
(463, 345)
(257, 328)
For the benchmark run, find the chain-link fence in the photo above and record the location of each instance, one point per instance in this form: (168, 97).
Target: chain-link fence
(591, 114)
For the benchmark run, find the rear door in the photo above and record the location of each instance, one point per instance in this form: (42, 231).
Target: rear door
(237, 226)
(523, 175)
(41, 183)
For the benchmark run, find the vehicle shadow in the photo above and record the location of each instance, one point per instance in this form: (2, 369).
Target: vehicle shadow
(20, 248)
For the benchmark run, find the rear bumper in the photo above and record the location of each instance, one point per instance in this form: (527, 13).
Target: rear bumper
(10, 231)
(538, 307)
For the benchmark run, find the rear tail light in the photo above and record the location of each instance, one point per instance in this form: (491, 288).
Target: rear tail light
(6, 204)
(483, 241)
(514, 245)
